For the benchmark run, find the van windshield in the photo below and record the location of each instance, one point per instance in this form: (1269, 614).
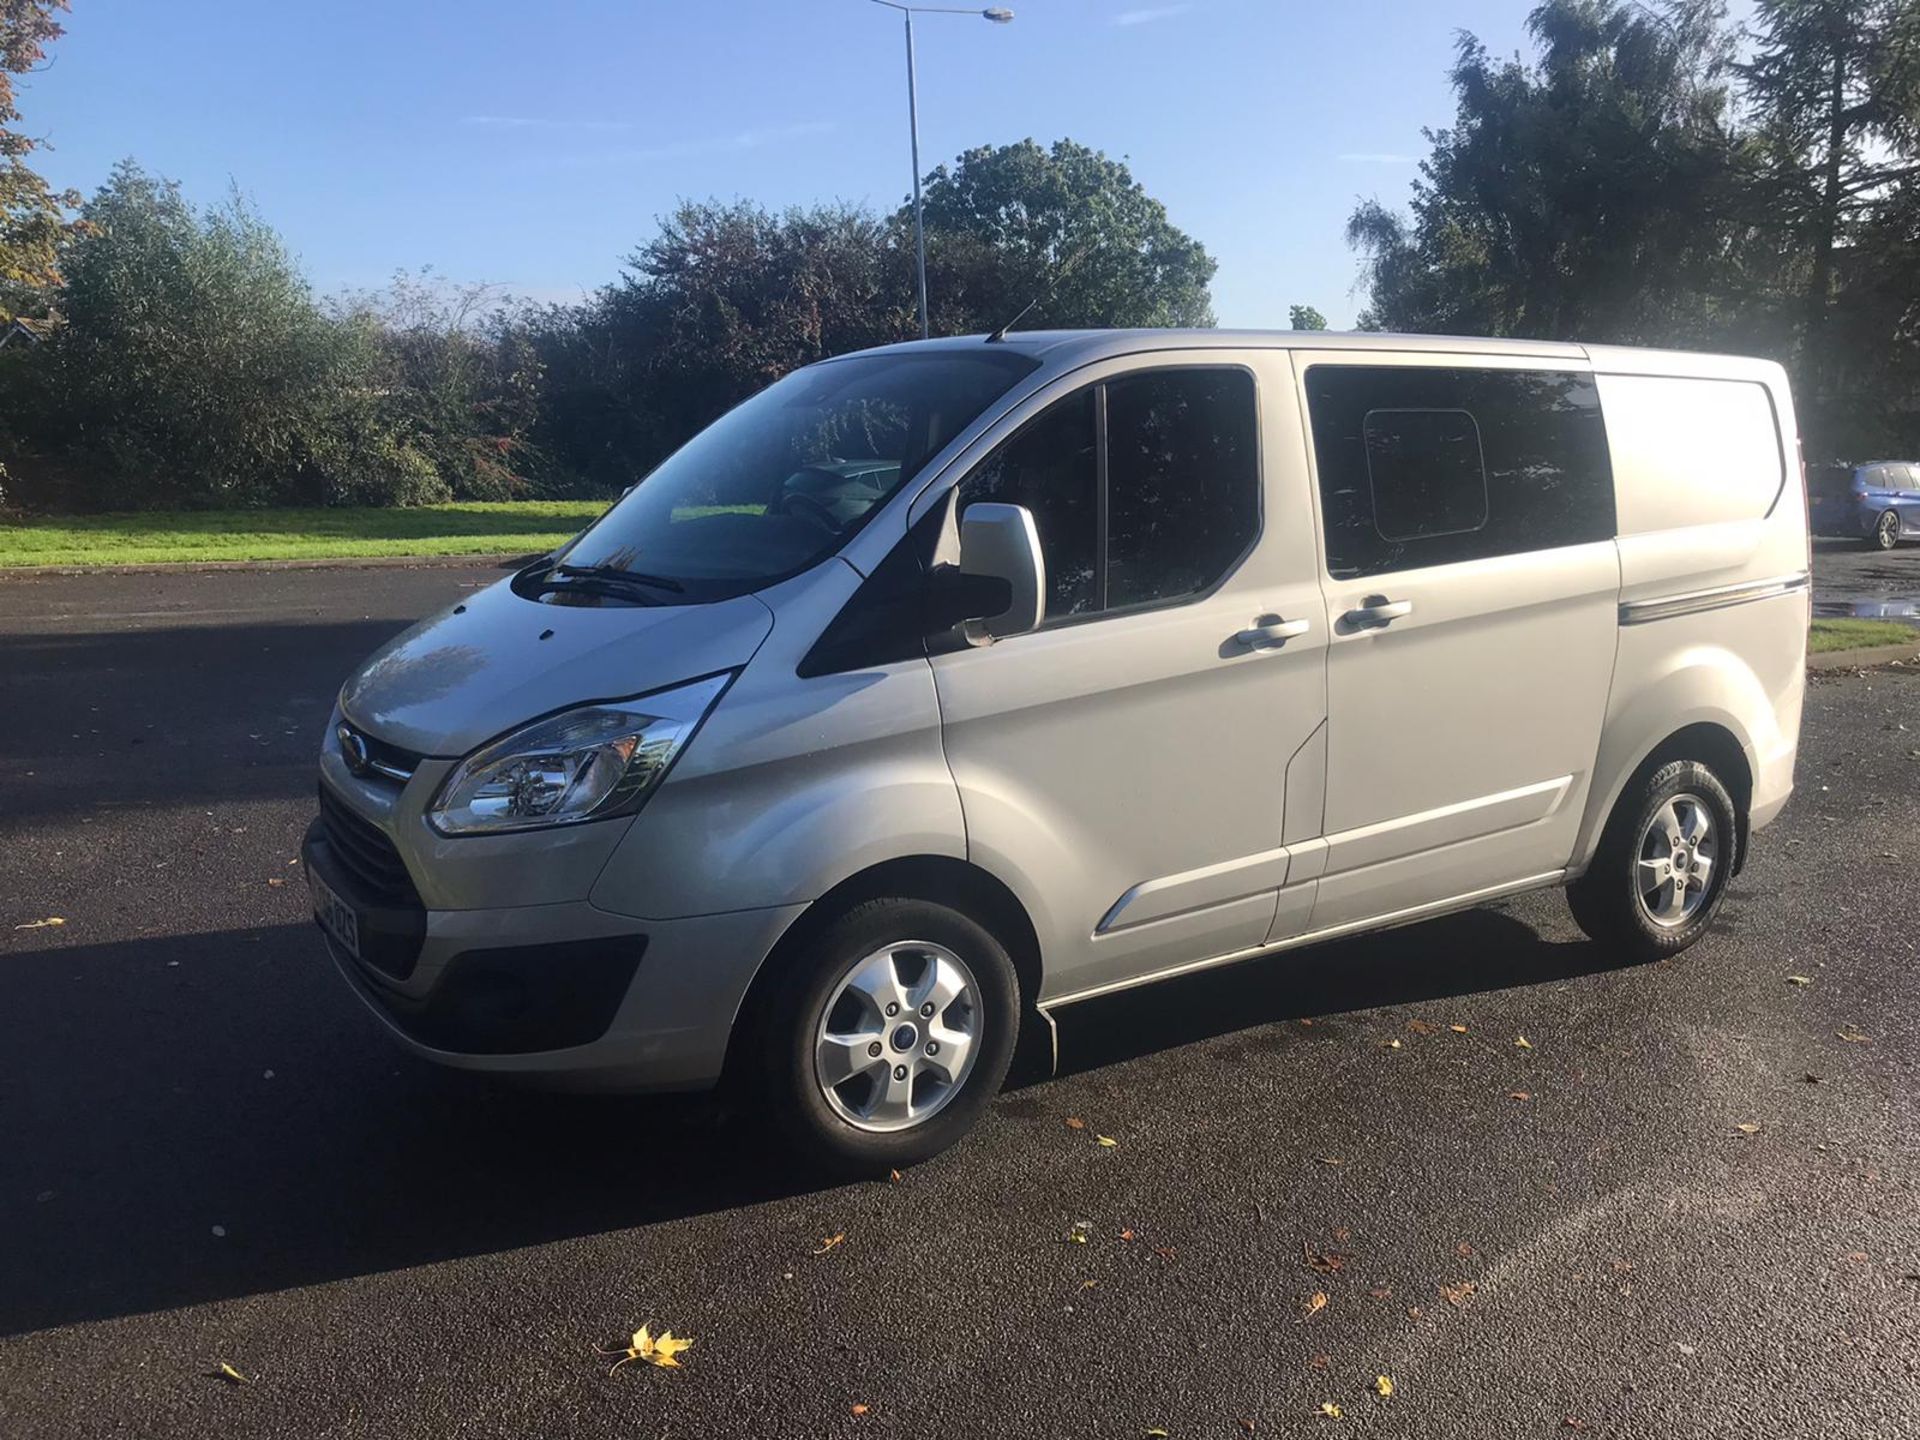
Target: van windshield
(784, 479)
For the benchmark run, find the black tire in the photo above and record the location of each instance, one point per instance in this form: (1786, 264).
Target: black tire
(794, 1006)
(1607, 902)
(1886, 531)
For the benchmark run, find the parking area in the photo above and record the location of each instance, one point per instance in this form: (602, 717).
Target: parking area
(1540, 1192)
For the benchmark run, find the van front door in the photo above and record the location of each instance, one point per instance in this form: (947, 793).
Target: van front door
(1472, 585)
(1132, 768)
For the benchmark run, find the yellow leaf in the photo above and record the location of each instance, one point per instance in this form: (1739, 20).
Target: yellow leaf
(1383, 1385)
(1316, 1302)
(655, 1351)
(1747, 1128)
(1852, 1037)
(1524, 1043)
(1330, 1410)
(668, 1346)
(1458, 1029)
(831, 1241)
(228, 1373)
(51, 920)
(1393, 1044)
(1154, 1434)
(1107, 1142)
(1798, 980)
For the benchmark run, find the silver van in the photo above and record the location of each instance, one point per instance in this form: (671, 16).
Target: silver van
(941, 686)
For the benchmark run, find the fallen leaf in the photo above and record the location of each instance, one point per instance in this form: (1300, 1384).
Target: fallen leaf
(1852, 1037)
(1414, 1312)
(1088, 1284)
(1316, 1302)
(1330, 1410)
(275, 880)
(1245, 1424)
(859, 1410)
(1463, 1250)
(1748, 1128)
(1393, 1044)
(1419, 1027)
(894, 1177)
(1383, 1385)
(1330, 1262)
(831, 1241)
(51, 920)
(1573, 1424)
(1460, 1293)
(1127, 1236)
(1523, 1042)
(1519, 1095)
(1381, 1292)
(655, 1351)
(1342, 1234)
(231, 1375)
(1799, 980)
(1165, 1252)
(1331, 1160)
(1859, 1257)
(1074, 1122)
(1458, 1029)
(1319, 1362)
(1154, 1434)
(1107, 1142)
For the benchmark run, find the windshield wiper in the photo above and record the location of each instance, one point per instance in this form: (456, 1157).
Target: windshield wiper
(617, 575)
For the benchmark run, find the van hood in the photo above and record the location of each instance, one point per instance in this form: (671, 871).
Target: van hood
(496, 661)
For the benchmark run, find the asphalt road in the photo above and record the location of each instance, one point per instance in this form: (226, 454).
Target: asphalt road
(1854, 579)
(208, 1153)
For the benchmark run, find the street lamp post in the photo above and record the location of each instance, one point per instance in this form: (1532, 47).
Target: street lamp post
(999, 15)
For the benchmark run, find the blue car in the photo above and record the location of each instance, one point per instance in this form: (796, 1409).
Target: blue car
(1878, 502)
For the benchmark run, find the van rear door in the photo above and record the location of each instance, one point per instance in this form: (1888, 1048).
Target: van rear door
(1472, 583)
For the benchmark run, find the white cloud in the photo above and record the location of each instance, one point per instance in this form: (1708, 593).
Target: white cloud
(535, 122)
(1150, 14)
(740, 140)
(1376, 157)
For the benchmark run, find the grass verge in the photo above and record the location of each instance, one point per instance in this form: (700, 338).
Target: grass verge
(1828, 636)
(147, 538)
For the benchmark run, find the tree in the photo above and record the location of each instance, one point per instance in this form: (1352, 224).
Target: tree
(33, 222)
(1835, 86)
(1592, 194)
(194, 368)
(1305, 317)
(1066, 225)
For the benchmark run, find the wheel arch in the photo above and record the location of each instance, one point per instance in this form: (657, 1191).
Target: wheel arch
(939, 879)
(1713, 742)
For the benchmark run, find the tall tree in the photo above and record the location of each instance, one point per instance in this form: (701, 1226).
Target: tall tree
(1587, 194)
(1835, 87)
(1066, 226)
(33, 219)
(1305, 317)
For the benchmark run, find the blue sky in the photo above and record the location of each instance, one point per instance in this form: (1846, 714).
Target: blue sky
(533, 145)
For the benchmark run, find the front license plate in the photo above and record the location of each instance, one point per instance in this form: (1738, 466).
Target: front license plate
(336, 916)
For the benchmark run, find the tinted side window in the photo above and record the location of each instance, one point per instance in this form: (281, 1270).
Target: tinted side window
(1050, 468)
(1183, 481)
(1401, 484)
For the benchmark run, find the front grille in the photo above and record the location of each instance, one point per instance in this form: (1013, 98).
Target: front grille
(389, 762)
(364, 852)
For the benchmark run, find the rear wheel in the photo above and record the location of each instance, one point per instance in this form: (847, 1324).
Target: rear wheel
(1886, 531)
(889, 1036)
(1663, 863)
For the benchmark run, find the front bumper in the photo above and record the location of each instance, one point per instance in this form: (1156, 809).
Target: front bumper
(563, 993)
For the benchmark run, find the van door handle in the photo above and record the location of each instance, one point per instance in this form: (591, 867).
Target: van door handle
(1376, 613)
(1272, 632)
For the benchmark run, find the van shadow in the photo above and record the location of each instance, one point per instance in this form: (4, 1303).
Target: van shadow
(1467, 953)
(156, 1089)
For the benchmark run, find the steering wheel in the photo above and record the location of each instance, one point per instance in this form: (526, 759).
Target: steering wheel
(805, 507)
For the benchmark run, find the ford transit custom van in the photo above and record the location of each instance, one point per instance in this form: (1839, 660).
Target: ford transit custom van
(942, 686)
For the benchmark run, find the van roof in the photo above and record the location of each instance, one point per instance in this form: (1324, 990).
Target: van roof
(1065, 348)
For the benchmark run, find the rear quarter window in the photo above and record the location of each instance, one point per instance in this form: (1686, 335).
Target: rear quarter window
(1689, 451)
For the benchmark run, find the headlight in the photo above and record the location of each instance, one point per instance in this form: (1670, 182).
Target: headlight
(586, 764)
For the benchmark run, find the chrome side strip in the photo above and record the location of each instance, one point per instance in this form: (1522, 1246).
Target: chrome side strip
(1666, 607)
(1310, 937)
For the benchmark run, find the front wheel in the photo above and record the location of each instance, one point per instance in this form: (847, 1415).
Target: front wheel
(1886, 531)
(1662, 865)
(889, 1035)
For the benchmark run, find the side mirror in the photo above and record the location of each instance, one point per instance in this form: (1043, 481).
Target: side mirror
(999, 545)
